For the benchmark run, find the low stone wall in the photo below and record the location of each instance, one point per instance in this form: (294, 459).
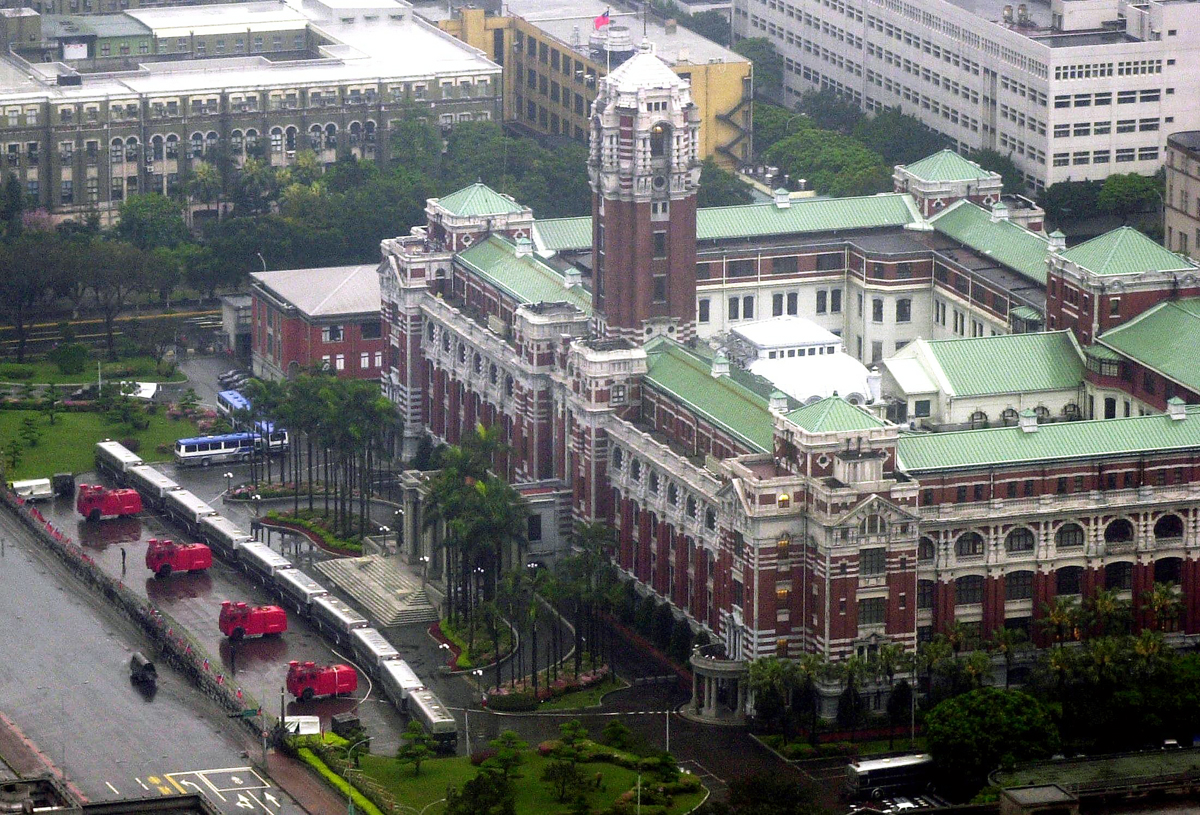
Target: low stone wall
(175, 646)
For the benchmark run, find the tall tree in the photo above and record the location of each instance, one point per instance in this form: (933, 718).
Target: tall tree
(768, 66)
(25, 278)
(151, 221)
(719, 188)
(116, 271)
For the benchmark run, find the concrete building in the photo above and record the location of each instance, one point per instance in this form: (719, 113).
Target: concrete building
(554, 55)
(83, 129)
(778, 526)
(317, 318)
(1181, 207)
(1070, 90)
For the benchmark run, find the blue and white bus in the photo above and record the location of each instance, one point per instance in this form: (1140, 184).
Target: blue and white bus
(276, 437)
(205, 450)
(231, 403)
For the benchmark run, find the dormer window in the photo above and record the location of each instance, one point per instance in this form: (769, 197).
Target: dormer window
(785, 501)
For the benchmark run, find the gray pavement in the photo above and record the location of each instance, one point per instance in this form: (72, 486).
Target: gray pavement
(64, 680)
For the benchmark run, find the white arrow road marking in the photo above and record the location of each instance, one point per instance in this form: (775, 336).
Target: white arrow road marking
(272, 799)
(243, 802)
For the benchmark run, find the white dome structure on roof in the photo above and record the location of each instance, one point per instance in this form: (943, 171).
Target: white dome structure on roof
(643, 71)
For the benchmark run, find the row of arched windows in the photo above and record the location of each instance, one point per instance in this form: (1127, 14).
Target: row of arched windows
(167, 147)
(1067, 536)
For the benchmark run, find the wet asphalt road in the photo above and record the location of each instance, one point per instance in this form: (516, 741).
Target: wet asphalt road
(64, 680)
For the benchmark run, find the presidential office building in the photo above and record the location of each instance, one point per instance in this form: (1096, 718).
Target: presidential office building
(99, 107)
(1071, 90)
(780, 518)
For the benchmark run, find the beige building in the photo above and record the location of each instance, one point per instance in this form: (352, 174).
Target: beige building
(553, 55)
(1181, 210)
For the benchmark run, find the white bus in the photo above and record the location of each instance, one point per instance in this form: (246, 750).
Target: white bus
(888, 777)
(206, 450)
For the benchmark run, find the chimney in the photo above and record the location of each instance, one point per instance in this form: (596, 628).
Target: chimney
(783, 199)
(1008, 14)
(874, 384)
(1058, 241)
(572, 277)
(1028, 421)
(720, 365)
(1176, 409)
(778, 402)
(670, 25)
(524, 247)
(999, 212)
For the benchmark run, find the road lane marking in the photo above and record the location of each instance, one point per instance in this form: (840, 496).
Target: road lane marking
(175, 784)
(111, 787)
(147, 789)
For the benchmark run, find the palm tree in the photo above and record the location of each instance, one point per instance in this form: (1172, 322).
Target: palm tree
(1106, 656)
(809, 668)
(1110, 612)
(1006, 641)
(772, 680)
(851, 670)
(960, 636)
(1163, 605)
(1061, 617)
(204, 184)
(1151, 648)
(977, 666)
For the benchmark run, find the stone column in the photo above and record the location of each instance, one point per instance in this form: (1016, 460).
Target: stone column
(695, 690)
(710, 697)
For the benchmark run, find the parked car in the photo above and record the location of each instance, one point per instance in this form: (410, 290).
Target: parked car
(231, 375)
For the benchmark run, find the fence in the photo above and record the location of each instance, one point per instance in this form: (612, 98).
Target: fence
(176, 647)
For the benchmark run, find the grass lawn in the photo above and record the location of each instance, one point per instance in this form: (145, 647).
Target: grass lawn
(870, 748)
(589, 697)
(44, 372)
(68, 446)
(533, 797)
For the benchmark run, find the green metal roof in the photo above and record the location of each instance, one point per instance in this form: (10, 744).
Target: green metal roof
(1005, 242)
(1165, 338)
(1100, 352)
(1061, 440)
(833, 414)
(947, 165)
(557, 234)
(805, 215)
(724, 401)
(1010, 363)
(756, 220)
(1125, 251)
(1027, 313)
(526, 279)
(479, 199)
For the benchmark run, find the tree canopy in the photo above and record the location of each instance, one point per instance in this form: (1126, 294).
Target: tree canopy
(768, 66)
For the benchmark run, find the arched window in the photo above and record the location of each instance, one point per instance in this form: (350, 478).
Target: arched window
(654, 482)
(660, 136)
(672, 494)
(492, 373)
(691, 506)
(1019, 540)
(429, 332)
(1010, 417)
(1043, 413)
(197, 145)
(235, 141)
(872, 525)
(1118, 576)
(477, 363)
(1119, 531)
(635, 469)
(369, 132)
(462, 352)
(331, 136)
(1018, 586)
(1070, 412)
(446, 341)
(251, 140)
(618, 457)
(355, 134)
(314, 137)
(508, 386)
(926, 550)
(969, 544)
(131, 149)
(1068, 580)
(968, 590)
(979, 420)
(156, 148)
(211, 140)
(1168, 527)
(1168, 570)
(289, 138)
(277, 140)
(172, 146)
(1069, 536)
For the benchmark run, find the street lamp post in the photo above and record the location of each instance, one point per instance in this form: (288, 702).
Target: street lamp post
(424, 570)
(350, 787)
(384, 530)
(477, 673)
(228, 483)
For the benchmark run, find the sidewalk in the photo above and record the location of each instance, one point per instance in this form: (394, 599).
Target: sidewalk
(294, 778)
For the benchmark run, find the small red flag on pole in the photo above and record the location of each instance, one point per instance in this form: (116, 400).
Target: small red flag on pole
(603, 20)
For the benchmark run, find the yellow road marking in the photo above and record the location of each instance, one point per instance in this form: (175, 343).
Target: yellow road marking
(175, 784)
(154, 779)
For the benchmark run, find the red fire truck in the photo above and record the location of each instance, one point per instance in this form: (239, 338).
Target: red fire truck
(308, 679)
(95, 502)
(166, 556)
(239, 620)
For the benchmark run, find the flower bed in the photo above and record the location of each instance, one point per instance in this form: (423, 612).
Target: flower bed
(317, 531)
(521, 697)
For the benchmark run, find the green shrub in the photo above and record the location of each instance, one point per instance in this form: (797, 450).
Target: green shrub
(799, 751)
(512, 702)
(839, 748)
(70, 358)
(16, 373)
(337, 782)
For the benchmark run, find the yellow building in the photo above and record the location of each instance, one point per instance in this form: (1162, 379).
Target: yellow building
(552, 54)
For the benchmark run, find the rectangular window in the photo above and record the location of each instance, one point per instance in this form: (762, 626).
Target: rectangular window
(371, 330)
(872, 562)
(871, 611)
(835, 301)
(903, 310)
(877, 310)
(777, 305)
(660, 244)
(735, 307)
(748, 307)
(364, 360)
(921, 408)
(704, 310)
(1018, 586)
(821, 301)
(792, 303)
(331, 333)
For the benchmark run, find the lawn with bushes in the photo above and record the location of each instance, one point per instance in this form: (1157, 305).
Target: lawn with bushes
(69, 444)
(318, 523)
(45, 372)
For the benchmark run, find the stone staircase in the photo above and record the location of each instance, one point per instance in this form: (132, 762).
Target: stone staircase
(384, 588)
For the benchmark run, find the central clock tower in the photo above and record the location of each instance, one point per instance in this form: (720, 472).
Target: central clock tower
(644, 172)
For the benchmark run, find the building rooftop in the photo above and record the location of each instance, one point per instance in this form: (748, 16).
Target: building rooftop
(479, 200)
(947, 165)
(999, 446)
(832, 415)
(571, 23)
(325, 292)
(1004, 241)
(1007, 363)
(808, 215)
(562, 234)
(65, 26)
(526, 279)
(1185, 139)
(1165, 338)
(729, 402)
(993, 11)
(786, 331)
(643, 71)
(805, 378)
(1125, 251)
(391, 45)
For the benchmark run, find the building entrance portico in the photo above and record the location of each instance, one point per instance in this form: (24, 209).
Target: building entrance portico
(719, 687)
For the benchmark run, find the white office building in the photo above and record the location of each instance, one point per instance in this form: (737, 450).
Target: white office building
(1070, 89)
